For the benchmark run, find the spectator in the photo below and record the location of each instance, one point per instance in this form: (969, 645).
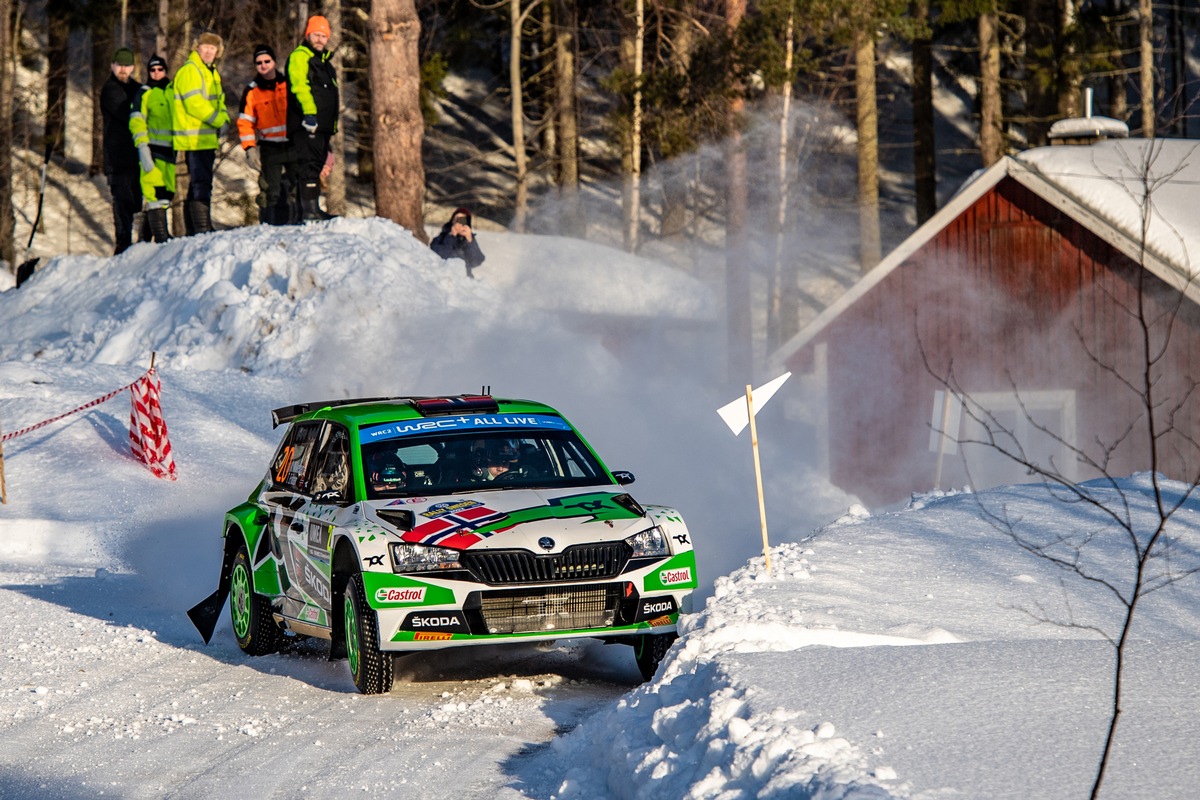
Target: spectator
(457, 240)
(120, 156)
(312, 114)
(153, 135)
(200, 119)
(262, 128)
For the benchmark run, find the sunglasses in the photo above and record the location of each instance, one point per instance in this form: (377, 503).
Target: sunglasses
(158, 69)
(264, 61)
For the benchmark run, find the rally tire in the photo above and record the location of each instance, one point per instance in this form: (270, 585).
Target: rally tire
(254, 626)
(370, 667)
(650, 650)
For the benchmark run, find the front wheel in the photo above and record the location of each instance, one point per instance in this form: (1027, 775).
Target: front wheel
(370, 667)
(253, 623)
(650, 650)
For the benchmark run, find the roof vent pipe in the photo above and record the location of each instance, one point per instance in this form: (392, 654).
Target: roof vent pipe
(1087, 102)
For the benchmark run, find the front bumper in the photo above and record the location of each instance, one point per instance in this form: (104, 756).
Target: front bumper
(419, 613)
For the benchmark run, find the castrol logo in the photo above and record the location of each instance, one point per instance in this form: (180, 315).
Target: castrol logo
(670, 577)
(405, 595)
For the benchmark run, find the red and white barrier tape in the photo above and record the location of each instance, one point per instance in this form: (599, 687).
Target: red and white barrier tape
(83, 407)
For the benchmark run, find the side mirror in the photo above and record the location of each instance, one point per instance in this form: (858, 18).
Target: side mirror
(623, 478)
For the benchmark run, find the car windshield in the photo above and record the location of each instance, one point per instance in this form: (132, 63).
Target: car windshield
(446, 463)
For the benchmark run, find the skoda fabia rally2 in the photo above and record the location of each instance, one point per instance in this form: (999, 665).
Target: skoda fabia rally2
(394, 525)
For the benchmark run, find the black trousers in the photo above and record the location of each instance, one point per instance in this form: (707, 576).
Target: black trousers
(127, 201)
(309, 152)
(276, 182)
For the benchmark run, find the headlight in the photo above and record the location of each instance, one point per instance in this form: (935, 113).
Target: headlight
(419, 558)
(649, 543)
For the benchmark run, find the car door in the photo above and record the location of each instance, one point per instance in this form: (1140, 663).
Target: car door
(286, 502)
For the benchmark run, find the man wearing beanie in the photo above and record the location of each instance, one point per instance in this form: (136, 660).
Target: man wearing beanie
(262, 129)
(312, 113)
(120, 156)
(152, 126)
(198, 106)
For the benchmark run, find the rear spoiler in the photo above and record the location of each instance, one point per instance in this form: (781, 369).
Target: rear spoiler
(426, 406)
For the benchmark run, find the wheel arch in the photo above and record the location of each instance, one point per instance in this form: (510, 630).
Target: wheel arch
(344, 563)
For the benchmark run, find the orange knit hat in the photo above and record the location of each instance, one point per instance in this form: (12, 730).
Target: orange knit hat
(317, 24)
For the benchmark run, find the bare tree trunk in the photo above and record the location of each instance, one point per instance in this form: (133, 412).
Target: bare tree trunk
(740, 350)
(1146, 48)
(1118, 107)
(924, 149)
(991, 136)
(515, 85)
(57, 35)
(1070, 75)
(161, 31)
(870, 245)
(675, 181)
(398, 125)
(172, 37)
(8, 245)
(335, 196)
(102, 51)
(566, 117)
(779, 273)
(633, 178)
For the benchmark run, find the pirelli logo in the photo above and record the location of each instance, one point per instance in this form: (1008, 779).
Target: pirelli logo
(658, 622)
(431, 636)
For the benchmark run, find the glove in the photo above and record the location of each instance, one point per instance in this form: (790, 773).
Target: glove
(146, 159)
(309, 123)
(254, 159)
(328, 168)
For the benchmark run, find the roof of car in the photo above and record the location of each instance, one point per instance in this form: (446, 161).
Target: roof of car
(372, 410)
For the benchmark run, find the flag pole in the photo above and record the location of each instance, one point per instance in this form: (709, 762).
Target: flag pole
(762, 506)
(3, 490)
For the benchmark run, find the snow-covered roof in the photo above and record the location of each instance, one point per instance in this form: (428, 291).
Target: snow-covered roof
(1102, 186)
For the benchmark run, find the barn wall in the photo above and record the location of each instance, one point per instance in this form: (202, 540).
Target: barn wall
(1006, 296)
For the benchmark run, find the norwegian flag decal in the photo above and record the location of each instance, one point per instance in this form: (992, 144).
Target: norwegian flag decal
(457, 529)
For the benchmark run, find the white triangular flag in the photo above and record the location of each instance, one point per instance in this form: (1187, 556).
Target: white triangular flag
(735, 414)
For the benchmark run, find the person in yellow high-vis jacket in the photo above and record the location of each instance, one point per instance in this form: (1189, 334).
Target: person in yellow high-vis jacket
(154, 137)
(200, 119)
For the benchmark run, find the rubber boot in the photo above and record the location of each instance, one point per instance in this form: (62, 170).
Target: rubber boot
(201, 216)
(266, 216)
(157, 218)
(310, 203)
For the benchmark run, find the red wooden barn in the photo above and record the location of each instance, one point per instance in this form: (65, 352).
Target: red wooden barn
(1024, 292)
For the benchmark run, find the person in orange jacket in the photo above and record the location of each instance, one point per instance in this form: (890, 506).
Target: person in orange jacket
(262, 129)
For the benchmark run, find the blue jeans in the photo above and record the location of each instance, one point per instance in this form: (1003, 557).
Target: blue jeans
(200, 174)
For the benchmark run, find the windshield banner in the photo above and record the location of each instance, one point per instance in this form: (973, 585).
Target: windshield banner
(475, 422)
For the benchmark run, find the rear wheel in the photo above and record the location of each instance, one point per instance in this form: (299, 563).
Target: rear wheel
(370, 667)
(650, 650)
(253, 625)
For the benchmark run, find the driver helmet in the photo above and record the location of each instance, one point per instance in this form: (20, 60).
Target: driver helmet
(388, 470)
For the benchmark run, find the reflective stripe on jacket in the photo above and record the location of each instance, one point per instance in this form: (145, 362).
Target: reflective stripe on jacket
(264, 112)
(312, 89)
(151, 121)
(198, 105)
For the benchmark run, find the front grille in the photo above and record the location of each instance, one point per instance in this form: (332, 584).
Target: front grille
(564, 609)
(580, 563)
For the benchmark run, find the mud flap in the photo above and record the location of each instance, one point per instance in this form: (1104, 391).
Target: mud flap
(204, 615)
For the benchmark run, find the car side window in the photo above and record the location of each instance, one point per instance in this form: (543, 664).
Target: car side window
(290, 470)
(332, 481)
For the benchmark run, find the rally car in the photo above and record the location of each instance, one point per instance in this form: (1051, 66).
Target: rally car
(392, 525)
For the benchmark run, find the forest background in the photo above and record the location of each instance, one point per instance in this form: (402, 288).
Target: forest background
(779, 146)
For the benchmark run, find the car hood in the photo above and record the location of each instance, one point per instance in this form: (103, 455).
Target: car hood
(539, 520)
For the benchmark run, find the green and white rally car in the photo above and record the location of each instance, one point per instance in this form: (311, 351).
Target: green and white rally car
(391, 525)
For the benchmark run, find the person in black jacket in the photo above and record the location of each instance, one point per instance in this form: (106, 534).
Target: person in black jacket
(312, 115)
(457, 240)
(121, 165)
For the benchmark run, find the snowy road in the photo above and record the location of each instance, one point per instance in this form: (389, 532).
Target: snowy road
(101, 693)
